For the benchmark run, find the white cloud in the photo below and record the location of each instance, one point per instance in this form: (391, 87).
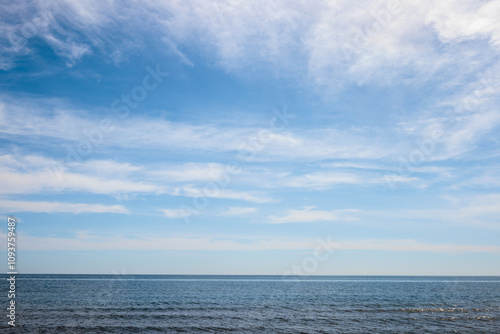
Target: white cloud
(466, 20)
(309, 215)
(189, 172)
(54, 207)
(104, 167)
(353, 165)
(71, 51)
(72, 29)
(52, 120)
(176, 213)
(215, 191)
(479, 211)
(329, 179)
(413, 246)
(32, 174)
(486, 177)
(384, 39)
(238, 211)
(47, 181)
(457, 124)
(86, 241)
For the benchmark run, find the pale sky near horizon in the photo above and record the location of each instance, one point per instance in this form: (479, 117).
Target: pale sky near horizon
(251, 137)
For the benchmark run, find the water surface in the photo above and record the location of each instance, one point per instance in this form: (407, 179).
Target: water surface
(256, 304)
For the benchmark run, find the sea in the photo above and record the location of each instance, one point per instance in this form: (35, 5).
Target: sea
(254, 304)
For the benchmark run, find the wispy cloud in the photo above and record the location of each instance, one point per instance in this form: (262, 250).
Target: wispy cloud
(189, 172)
(52, 120)
(310, 215)
(88, 241)
(238, 211)
(329, 179)
(330, 43)
(484, 177)
(217, 192)
(59, 207)
(39, 181)
(337, 43)
(176, 213)
(457, 124)
(414, 246)
(479, 211)
(34, 174)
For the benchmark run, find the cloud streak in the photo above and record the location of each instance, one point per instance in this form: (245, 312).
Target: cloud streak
(310, 215)
(238, 211)
(59, 207)
(88, 241)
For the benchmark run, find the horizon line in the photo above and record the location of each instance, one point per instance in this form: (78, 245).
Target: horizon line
(275, 275)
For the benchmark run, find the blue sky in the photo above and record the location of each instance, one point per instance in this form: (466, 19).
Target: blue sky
(259, 137)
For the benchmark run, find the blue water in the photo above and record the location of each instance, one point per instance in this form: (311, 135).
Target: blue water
(255, 304)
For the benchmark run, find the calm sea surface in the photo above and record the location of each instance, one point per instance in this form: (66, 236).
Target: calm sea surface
(255, 304)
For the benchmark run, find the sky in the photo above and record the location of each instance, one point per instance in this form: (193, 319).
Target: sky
(251, 137)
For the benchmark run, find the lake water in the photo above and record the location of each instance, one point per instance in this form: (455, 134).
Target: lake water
(255, 304)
